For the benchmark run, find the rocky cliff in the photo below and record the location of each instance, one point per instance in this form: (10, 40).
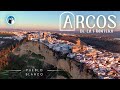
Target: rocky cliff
(70, 66)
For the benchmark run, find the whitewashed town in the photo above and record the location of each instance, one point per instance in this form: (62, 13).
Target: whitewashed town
(104, 64)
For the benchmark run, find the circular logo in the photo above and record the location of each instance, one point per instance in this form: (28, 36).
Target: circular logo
(10, 20)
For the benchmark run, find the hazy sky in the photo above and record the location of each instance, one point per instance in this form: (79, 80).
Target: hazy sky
(43, 19)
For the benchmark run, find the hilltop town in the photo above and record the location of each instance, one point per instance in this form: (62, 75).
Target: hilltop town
(99, 63)
(102, 63)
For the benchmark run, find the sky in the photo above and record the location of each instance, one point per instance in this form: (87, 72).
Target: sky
(44, 20)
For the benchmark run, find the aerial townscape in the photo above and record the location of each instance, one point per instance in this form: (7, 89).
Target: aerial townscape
(101, 63)
(104, 64)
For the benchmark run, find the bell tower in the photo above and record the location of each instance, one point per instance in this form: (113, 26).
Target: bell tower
(78, 42)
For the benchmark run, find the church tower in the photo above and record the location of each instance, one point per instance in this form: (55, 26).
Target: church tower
(78, 42)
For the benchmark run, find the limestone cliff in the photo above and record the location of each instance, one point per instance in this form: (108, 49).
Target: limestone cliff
(71, 66)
